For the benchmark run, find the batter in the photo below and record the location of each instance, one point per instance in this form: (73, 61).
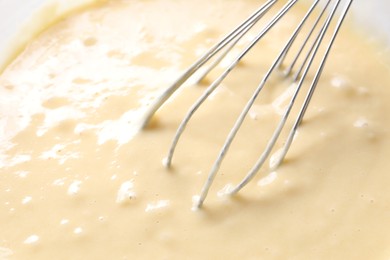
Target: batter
(78, 181)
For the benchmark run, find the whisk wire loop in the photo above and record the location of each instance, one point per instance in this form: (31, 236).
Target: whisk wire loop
(217, 82)
(313, 84)
(313, 54)
(242, 117)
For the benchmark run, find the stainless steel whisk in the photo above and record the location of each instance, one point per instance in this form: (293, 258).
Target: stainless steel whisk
(327, 11)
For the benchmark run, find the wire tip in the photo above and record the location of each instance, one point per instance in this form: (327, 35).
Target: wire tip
(197, 203)
(167, 162)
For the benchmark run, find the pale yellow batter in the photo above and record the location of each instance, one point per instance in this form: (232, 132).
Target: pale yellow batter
(78, 182)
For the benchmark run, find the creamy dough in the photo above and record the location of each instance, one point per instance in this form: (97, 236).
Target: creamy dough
(78, 182)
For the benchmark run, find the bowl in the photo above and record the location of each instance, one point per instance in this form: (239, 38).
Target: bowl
(22, 20)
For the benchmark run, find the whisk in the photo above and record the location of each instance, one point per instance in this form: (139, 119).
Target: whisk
(323, 15)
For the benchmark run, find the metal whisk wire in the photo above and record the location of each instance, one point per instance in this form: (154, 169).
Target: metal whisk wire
(227, 44)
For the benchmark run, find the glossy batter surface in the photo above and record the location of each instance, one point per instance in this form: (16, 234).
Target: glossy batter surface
(78, 182)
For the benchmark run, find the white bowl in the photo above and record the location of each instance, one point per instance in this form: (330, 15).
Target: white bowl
(21, 20)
